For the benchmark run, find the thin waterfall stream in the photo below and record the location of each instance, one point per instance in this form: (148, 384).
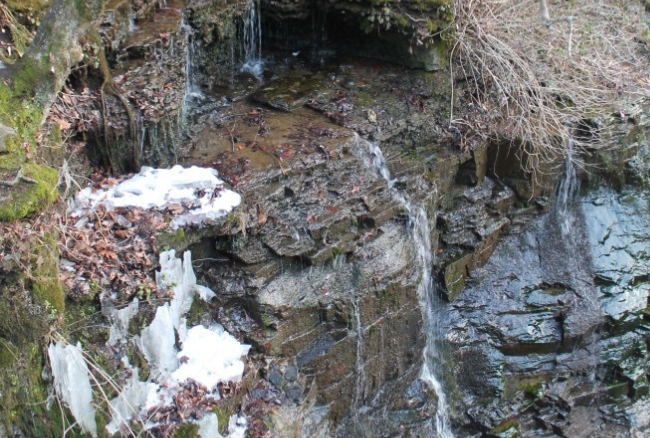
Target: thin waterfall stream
(567, 190)
(253, 40)
(192, 89)
(427, 296)
(132, 26)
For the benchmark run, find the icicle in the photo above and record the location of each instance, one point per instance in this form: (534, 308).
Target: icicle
(72, 384)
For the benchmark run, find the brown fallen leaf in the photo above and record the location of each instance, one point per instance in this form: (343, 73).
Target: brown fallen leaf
(331, 209)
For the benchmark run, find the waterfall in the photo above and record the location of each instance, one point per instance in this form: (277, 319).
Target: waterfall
(192, 90)
(429, 300)
(567, 190)
(132, 25)
(253, 40)
(360, 365)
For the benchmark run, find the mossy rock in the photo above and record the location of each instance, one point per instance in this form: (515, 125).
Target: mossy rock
(456, 275)
(28, 197)
(507, 429)
(22, 115)
(24, 328)
(28, 6)
(46, 288)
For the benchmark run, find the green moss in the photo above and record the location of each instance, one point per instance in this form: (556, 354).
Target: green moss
(137, 359)
(20, 111)
(27, 198)
(187, 431)
(17, 107)
(268, 321)
(180, 240)
(532, 386)
(27, 6)
(8, 354)
(199, 311)
(24, 328)
(507, 429)
(456, 275)
(364, 99)
(435, 15)
(216, 19)
(223, 412)
(46, 288)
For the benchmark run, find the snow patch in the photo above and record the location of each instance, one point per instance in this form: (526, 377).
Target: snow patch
(196, 187)
(207, 355)
(209, 426)
(237, 426)
(210, 356)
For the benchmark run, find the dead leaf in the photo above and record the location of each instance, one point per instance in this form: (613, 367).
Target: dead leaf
(332, 210)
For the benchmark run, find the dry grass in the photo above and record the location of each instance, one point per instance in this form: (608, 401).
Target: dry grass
(554, 82)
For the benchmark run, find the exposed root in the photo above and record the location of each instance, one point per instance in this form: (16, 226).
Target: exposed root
(108, 86)
(18, 178)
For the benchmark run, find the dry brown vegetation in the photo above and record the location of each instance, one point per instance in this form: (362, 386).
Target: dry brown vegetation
(575, 78)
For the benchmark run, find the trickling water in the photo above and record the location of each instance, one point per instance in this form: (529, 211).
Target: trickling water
(567, 190)
(132, 26)
(192, 90)
(253, 40)
(143, 136)
(171, 48)
(359, 396)
(428, 298)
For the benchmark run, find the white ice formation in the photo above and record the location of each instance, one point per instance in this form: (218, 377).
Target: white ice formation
(72, 383)
(196, 188)
(207, 355)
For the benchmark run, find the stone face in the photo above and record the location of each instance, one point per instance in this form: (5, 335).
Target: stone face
(568, 305)
(317, 268)
(327, 264)
(455, 275)
(5, 131)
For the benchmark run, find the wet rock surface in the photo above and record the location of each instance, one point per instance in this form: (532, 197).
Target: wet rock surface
(547, 331)
(560, 320)
(321, 256)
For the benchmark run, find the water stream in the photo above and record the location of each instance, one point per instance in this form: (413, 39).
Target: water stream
(429, 300)
(360, 365)
(132, 25)
(192, 89)
(253, 41)
(567, 191)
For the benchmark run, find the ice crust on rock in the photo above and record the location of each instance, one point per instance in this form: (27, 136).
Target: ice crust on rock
(181, 280)
(120, 319)
(72, 383)
(127, 404)
(158, 188)
(158, 343)
(207, 355)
